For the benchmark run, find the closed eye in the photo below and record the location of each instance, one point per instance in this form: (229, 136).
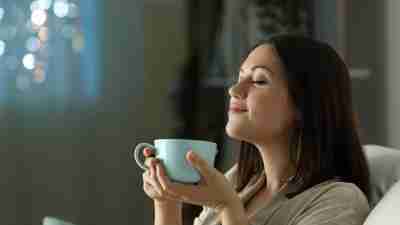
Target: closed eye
(260, 82)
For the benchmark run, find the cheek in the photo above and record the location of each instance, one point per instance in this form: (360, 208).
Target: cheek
(270, 113)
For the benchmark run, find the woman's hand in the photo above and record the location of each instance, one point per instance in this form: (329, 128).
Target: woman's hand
(151, 186)
(213, 190)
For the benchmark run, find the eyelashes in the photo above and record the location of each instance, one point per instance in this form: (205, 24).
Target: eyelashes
(260, 82)
(255, 82)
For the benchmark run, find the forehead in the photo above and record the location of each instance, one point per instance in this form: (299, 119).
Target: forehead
(263, 55)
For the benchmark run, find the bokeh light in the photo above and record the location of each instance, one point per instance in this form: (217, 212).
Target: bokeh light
(39, 75)
(32, 44)
(61, 8)
(29, 61)
(38, 17)
(35, 31)
(35, 6)
(73, 11)
(44, 4)
(33, 28)
(2, 47)
(1, 13)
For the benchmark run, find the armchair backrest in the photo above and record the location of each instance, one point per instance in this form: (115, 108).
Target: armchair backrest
(384, 165)
(48, 220)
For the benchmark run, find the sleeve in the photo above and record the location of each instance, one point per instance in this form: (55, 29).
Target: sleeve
(341, 205)
(207, 214)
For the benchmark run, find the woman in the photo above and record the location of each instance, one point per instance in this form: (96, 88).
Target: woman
(300, 162)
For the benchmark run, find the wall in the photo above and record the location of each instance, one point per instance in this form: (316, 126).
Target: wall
(356, 29)
(365, 42)
(371, 42)
(391, 45)
(164, 52)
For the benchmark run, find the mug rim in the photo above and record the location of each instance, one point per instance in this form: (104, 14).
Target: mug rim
(184, 140)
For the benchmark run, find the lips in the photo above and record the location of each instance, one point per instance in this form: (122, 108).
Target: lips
(237, 108)
(233, 109)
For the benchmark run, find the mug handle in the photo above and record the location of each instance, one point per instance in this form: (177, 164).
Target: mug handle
(136, 154)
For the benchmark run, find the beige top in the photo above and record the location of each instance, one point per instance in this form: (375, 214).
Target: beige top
(328, 203)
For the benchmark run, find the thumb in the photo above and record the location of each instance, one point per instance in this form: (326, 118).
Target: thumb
(199, 163)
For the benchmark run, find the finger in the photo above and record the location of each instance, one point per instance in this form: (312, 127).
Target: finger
(146, 177)
(156, 184)
(147, 152)
(150, 183)
(184, 192)
(151, 171)
(149, 187)
(165, 182)
(149, 190)
(180, 192)
(150, 161)
(200, 164)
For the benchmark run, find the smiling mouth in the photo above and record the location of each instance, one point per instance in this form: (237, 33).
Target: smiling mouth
(237, 110)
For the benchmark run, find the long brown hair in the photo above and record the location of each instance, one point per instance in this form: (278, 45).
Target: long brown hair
(326, 134)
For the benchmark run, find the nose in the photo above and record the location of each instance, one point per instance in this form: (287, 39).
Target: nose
(236, 91)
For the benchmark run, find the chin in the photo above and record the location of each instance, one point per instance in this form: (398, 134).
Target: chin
(234, 132)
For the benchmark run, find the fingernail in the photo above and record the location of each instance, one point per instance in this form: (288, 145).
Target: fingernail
(191, 155)
(146, 151)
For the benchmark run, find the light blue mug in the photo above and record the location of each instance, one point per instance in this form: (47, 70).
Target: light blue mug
(172, 152)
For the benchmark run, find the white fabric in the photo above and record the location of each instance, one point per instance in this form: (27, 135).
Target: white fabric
(54, 221)
(384, 164)
(387, 211)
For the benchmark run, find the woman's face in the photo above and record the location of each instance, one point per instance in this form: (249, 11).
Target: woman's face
(260, 109)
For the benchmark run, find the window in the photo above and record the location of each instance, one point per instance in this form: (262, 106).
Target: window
(47, 51)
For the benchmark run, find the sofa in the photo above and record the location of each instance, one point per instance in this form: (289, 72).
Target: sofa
(384, 164)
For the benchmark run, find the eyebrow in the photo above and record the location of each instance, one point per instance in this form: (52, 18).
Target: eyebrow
(259, 66)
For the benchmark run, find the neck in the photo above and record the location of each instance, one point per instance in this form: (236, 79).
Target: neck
(277, 165)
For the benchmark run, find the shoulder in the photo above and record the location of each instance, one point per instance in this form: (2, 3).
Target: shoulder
(332, 193)
(336, 189)
(337, 202)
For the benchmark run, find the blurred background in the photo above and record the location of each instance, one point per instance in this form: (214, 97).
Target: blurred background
(82, 81)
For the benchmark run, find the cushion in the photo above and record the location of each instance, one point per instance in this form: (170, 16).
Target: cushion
(387, 211)
(48, 220)
(384, 164)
